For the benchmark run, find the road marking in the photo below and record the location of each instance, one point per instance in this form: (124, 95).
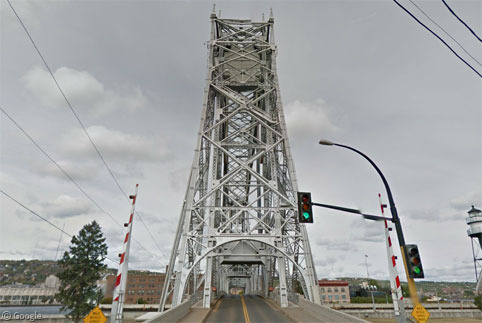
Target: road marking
(273, 307)
(245, 310)
(218, 303)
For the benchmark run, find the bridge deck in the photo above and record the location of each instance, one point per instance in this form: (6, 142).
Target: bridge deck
(253, 308)
(245, 309)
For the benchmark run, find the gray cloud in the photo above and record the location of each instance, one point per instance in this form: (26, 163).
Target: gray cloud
(464, 270)
(368, 231)
(178, 179)
(325, 262)
(82, 89)
(438, 215)
(26, 215)
(79, 171)
(310, 118)
(65, 206)
(116, 145)
(463, 202)
(338, 245)
(142, 101)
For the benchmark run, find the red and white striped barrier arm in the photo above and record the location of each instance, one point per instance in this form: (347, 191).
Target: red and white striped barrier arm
(121, 278)
(392, 264)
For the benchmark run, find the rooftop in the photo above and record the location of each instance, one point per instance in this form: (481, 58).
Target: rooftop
(326, 282)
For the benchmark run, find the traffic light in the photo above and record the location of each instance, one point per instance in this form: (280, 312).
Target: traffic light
(305, 212)
(414, 263)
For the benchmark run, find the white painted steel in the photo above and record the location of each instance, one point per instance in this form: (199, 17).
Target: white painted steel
(239, 214)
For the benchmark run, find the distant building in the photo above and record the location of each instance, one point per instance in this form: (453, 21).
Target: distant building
(334, 291)
(357, 291)
(365, 290)
(19, 294)
(52, 282)
(434, 299)
(453, 292)
(145, 286)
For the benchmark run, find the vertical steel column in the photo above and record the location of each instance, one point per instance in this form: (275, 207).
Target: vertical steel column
(240, 208)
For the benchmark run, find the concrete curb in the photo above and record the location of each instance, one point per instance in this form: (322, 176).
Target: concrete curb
(282, 310)
(210, 309)
(315, 309)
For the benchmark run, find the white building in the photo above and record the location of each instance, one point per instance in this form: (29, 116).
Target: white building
(25, 294)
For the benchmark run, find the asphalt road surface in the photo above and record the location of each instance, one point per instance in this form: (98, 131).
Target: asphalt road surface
(245, 309)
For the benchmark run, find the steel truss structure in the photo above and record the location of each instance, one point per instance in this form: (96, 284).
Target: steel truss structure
(239, 220)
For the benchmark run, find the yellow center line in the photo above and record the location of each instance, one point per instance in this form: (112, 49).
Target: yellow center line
(245, 310)
(218, 303)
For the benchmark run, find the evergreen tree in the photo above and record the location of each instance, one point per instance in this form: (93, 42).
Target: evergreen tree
(478, 301)
(81, 267)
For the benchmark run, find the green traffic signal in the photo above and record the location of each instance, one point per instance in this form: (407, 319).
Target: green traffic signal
(414, 262)
(305, 212)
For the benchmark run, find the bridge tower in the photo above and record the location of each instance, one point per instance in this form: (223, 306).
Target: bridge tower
(239, 226)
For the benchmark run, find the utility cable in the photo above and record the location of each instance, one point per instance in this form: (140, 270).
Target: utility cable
(42, 218)
(446, 32)
(65, 97)
(149, 231)
(77, 117)
(451, 49)
(453, 13)
(69, 176)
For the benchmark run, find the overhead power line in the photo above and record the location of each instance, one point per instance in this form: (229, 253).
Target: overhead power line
(35, 213)
(42, 218)
(65, 97)
(149, 231)
(446, 32)
(433, 33)
(78, 119)
(69, 177)
(453, 13)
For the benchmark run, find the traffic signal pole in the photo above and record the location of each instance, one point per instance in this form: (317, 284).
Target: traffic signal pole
(395, 219)
(397, 223)
(398, 228)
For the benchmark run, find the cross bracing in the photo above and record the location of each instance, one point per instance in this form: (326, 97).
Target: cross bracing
(239, 213)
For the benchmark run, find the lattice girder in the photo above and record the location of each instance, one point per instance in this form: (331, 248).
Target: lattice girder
(242, 186)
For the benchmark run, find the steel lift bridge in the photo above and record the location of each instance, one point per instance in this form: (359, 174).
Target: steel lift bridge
(239, 221)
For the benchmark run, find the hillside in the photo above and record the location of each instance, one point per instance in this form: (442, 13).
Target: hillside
(27, 272)
(447, 290)
(34, 272)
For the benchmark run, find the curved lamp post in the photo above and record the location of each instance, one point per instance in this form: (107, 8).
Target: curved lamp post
(395, 219)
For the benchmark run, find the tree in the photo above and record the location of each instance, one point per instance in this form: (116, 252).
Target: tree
(373, 282)
(298, 288)
(478, 302)
(80, 268)
(141, 301)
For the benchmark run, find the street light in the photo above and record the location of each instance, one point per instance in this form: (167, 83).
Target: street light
(395, 219)
(368, 284)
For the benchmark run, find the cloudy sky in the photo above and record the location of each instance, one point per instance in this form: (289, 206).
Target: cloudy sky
(362, 73)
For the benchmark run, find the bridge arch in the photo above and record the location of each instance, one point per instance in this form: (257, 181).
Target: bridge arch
(263, 241)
